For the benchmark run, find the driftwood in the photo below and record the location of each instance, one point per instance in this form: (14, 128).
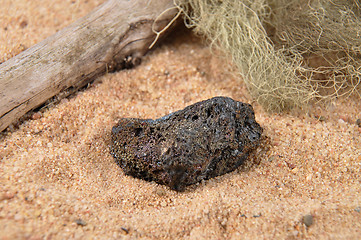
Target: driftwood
(114, 36)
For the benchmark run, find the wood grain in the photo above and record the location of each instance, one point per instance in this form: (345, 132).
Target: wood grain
(114, 36)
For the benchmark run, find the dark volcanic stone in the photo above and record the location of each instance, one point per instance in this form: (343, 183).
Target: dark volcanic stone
(204, 140)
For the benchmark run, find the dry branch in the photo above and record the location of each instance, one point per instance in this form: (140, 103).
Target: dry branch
(113, 36)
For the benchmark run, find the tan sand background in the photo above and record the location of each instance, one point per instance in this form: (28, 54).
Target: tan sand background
(58, 180)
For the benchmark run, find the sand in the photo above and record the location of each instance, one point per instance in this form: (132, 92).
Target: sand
(58, 180)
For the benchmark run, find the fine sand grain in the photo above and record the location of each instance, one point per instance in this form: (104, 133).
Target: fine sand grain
(58, 180)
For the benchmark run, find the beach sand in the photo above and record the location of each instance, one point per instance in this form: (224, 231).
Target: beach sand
(58, 180)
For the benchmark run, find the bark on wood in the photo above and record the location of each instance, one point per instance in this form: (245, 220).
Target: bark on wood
(113, 36)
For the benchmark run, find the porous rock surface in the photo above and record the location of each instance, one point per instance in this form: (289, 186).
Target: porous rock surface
(204, 140)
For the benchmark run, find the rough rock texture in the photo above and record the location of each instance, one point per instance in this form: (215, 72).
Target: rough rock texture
(204, 140)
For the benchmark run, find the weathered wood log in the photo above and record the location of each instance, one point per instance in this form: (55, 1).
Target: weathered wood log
(115, 35)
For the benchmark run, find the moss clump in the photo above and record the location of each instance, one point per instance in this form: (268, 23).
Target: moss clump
(287, 52)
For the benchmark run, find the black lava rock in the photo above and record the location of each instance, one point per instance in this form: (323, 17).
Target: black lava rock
(204, 140)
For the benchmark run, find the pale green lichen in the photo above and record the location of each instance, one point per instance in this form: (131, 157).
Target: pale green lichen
(272, 44)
